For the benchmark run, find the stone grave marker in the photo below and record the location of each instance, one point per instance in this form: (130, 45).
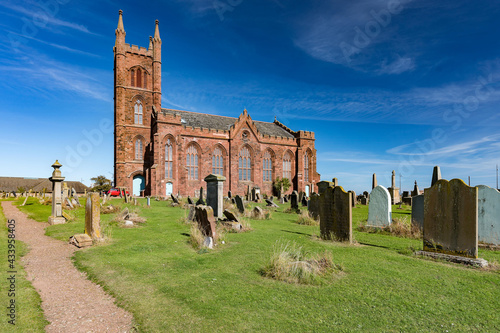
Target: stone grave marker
(379, 209)
(353, 198)
(24, 203)
(451, 218)
(314, 205)
(93, 216)
(301, 196)
(229, 194)
(69, 203)
(336, 214)
(304, 202)
(240, 204)
(488, 215)
(230, 216)
(148, 200)
(436, 175)
(174, 199)
(257, 213)
(294, 200)
(323, 185)
(215, 188)
(270, 203)
(56, 179)
(415, 191)
(200, 199)
(206, 220)
(190, 201)
(192, 213)
(374, 181)
(417, 211)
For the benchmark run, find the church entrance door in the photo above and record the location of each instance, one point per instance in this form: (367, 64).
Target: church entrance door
(139, 185)
(169, 189)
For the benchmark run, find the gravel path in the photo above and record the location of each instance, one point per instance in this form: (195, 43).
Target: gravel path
(70, 302)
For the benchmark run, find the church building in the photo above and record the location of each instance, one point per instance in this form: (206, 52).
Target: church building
(162, 151)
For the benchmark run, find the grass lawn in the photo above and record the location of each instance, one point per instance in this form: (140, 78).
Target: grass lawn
(29, 315)
(154, 273)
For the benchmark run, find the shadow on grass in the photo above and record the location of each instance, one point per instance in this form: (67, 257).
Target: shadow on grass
(383, 247)
(298, 233)
(185, 234)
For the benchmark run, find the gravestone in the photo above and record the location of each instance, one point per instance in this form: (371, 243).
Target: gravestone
(436, 175)
(229, 194)
(215, 188)
(192, 213)
(230, 216)
(206, 220)
(285, 199)
(135, 201)
(417, 211)
(415, 191)
(336, 214)
(294, 200)
(24, 203)
(301, 196)
(282, 200)
(148, 201)
(450, 218)
(393, 190)
(56, 179)
(69, 203)
(190, 201)
(257, 213)
(240, 204)
(174, 199)
(335, 182)
(364, 200)
(200, 199)
(93, 216)
(314, 206)
(323, 185)
(270, 203)
(488, 224)
(304, 202)
(374, 181)
(353, 198)
(379, 209)
(248, 195)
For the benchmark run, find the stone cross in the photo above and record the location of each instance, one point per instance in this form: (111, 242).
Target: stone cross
(56, 179)
(215, 195)
(93, 216)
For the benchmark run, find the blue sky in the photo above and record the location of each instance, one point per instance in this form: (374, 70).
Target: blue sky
(385, 85)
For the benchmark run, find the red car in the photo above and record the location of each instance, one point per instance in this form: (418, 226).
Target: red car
(114, 192)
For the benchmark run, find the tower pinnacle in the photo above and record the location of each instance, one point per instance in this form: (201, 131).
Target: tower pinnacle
(157, 31)
(120, 22)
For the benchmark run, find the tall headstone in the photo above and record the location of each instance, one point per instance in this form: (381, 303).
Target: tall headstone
(436, 175)
(215, 194)
(379, 208)
(353, 198)
(488, 215)
(393, 190)
(417, 211)
(314, 205)
(240, 204)
(294, 200)
(200, 200)
(56, 179)
(336, 214)
(323, 185)
(93, 216)
(450, 218)
(229, 194)
(374, 181)
(415, 191)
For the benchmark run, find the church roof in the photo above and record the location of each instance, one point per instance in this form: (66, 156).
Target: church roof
(204, 120)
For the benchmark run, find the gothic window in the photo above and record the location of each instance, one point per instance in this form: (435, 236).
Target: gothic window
(245, 169)
(217, 162)
(192, 162)
(267, 167)
(138, 112)
(168, 160)
(306, 167)
(138, 149)
(132, 78)
(139, 78)
(287, 166)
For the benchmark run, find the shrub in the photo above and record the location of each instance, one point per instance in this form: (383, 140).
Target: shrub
(291, 264)
(306, 219)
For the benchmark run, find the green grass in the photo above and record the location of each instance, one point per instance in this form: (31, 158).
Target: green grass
(155, 273)
(29, 315)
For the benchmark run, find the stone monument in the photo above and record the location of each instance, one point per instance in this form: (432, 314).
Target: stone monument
(215, 195)
(56, 179)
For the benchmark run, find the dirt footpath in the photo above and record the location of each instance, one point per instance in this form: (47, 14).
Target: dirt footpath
(70, 302)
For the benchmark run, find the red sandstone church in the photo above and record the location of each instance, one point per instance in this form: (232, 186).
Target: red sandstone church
(162, 151)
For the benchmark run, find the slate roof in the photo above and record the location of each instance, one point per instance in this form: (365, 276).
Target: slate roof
(9, 184)
(204, 120)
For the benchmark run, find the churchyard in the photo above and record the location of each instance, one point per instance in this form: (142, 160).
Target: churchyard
(377, 284)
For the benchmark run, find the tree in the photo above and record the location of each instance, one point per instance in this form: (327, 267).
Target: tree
(278, 183)
(101, 183)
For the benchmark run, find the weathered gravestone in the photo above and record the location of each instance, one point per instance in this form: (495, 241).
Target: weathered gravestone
(56, 179)
(304, 202)
(270, 203)
(24, 203)
(294, 200)
(174, 199)
(335, 182)
(240, 204)
(301, 196)
(488, 215)
(190, 201)
(192, 213)
(353, 198)
(93, 216)
(379, 209)
(215, 188)
(200, 199)
(230, 216)
(69, 203)
(257, 213)
(336, 214)
(364, 200)
(206, 221)
(450, 218)
(323, 185)
(417, 211)
(148, 201)
(415, 191)
(314, 206)
(229, 194)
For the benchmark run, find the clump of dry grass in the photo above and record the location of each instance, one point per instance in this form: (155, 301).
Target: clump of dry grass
(110, 209)
(228, 205)
(291, 264)
(306, 219)
(400, 227)
(291, 210)
(196, 238)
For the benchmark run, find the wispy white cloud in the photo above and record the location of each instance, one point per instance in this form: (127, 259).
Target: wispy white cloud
(58, 46)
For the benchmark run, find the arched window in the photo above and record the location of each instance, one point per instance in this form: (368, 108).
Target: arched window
(139, 78)
(245, 169)
(192, 162)
(267, 167)
(306, 167)
(168, 160)
(145, 80)
(287, 166)
(132, 78)
(138, 112)
(138, 149)
(217, 162)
